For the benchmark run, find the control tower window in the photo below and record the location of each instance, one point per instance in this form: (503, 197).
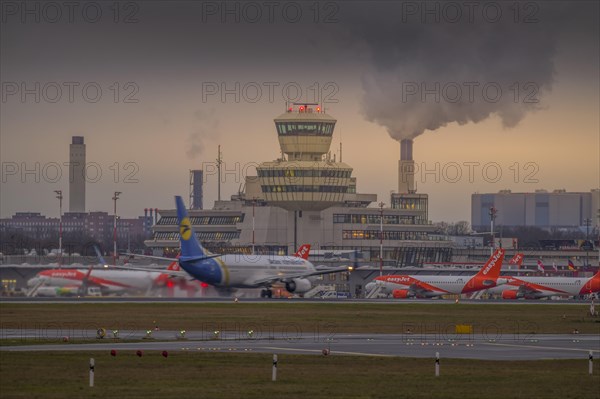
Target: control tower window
(305, 128)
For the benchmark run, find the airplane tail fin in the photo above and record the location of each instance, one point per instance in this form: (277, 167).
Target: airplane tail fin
(164, 278)
(174, 266)
(491, 269)
(303, 252)
(190, 247)
(100, 257)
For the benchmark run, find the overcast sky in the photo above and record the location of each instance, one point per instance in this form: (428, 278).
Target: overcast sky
(484, 88)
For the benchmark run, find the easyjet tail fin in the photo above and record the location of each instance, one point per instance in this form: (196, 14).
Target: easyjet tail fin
(491, 269)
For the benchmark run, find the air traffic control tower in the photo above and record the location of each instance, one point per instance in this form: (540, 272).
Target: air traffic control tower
(306, 177)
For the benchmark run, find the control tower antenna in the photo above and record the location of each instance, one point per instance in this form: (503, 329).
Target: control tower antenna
(340, 145)
(219, 162)
(305, 104)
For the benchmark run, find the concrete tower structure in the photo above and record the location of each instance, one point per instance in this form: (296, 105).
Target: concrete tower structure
(306, 177)
(77, 175)
(196, 196)
(406, 168)
(407, 198)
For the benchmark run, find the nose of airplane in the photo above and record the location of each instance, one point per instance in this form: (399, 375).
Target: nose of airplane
(370, 286)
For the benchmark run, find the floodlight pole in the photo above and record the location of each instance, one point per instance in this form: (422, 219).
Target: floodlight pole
(60, 198)
(381, 204)
(115, 198)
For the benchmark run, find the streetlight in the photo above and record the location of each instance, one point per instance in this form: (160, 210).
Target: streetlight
(60, 198)
(587, 222)
(115, 198)
(253, 226)
(493, 213)
(381, 204)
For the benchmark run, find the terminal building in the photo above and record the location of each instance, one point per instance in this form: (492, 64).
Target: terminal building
(543, 209)
(308, 196)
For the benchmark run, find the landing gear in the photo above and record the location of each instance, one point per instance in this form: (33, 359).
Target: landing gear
(266, 293)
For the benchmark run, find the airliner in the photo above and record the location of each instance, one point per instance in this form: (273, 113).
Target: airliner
(545, 287)
(72, 282)
(405, 286)
(232, 271)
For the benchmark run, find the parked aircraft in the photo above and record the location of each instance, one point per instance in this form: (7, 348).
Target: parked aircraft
(405, 286)
(544, 287)
(75, 282)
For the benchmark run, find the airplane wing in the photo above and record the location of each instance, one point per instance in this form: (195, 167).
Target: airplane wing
(148, 256)
(288, 277)
(170, 259)
(527, 290)
(419, 290)
(532, 290)
(171, 273)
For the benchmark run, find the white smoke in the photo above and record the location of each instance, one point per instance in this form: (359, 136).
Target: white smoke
(425, 75)
(206, 126)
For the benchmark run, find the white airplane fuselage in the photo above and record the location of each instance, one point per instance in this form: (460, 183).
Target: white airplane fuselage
(110, 281)
(543, 287)
(439, 285)
(243, 271)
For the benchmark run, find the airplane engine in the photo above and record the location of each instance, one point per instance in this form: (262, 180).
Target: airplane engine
(400, 294)
(298, 285)
(510, 294)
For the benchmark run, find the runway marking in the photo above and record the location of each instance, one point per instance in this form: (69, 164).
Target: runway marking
(336, 351)
(541, 347)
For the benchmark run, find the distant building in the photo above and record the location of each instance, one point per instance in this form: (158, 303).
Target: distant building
(77, 175)
(97, 225)
(542, 209)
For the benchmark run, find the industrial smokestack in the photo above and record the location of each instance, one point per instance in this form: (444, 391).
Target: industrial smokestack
(406, 147)
(406, 168)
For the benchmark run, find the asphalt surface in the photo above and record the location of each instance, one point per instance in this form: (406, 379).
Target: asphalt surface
(125, 299)
(490, 346)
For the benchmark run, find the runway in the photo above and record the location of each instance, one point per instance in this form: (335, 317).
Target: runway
(125, 299)
(491, 346)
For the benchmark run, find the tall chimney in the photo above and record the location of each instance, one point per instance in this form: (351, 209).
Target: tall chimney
(406, 146)
(406, 168)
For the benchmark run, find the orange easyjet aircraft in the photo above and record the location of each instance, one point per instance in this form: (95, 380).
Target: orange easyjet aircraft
(404, 286)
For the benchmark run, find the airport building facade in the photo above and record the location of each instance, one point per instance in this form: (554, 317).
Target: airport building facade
(308, 196)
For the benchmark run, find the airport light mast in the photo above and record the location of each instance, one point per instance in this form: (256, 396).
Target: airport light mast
(219, 162)
(381, 204)
(253, 225)
(493, 213)
(115, 198)
(587, 222)
(60, 198)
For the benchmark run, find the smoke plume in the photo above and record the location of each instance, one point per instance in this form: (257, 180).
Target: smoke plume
(205, 127)
(423, 74)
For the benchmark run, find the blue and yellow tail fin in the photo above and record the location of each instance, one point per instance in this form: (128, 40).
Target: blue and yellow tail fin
(190, 247)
